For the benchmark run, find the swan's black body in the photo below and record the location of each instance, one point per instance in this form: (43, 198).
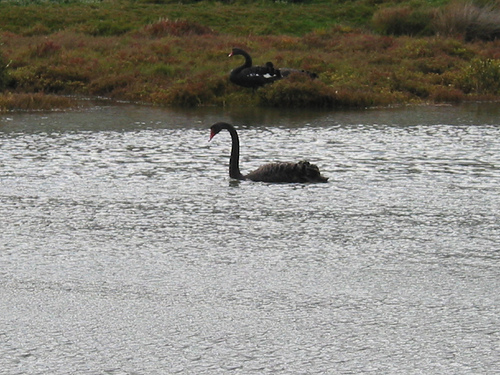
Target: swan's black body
(247, 75)
(302, 171)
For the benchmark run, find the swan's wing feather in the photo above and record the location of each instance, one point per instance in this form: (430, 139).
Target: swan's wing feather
(287, 172)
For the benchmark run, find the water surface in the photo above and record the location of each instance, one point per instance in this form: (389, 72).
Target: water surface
(126, 248)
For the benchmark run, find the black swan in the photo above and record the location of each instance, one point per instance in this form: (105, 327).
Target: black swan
(302, 171)
(247, 75)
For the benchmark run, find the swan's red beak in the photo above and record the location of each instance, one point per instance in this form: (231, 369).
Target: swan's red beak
(212, 134)
(230, 55)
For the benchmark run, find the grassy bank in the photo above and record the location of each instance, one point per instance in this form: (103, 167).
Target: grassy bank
(366, 53)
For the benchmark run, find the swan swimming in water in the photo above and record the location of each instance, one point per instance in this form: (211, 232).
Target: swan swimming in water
(303, 171)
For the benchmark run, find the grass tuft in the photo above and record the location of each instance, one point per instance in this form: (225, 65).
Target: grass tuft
(469, 20)
(402, 20)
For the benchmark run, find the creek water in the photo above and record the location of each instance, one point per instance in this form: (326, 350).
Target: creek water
(126, 249)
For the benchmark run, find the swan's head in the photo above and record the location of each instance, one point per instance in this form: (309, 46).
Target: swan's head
(236, 51)
(216, 128)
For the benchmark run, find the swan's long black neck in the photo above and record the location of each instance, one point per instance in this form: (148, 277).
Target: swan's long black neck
(234, 161)
(248, 61)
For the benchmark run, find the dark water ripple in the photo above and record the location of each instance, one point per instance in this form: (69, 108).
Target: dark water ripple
(126, 249)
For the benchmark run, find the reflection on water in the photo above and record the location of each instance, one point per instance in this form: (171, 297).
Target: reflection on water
(127, 249)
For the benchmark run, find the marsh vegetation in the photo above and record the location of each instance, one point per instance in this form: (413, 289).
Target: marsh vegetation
(168, 53)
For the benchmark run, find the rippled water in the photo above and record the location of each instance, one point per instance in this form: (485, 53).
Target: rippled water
(126, 248)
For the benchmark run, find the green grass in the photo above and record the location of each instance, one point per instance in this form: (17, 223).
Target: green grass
(114, 17)
(117, 17)
(367, 53)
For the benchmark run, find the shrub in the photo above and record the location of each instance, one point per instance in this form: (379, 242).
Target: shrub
(445, 94)
(198, 90)
(402, 21)
(109, 84)
(482, 76)
(413, 87)
(4, 77)
(45, 49)
(37, 29)
(53, 78)
(357, 98)
(470, 21)
(297, 90)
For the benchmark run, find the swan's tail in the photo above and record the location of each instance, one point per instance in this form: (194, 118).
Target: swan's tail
(310, 172)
